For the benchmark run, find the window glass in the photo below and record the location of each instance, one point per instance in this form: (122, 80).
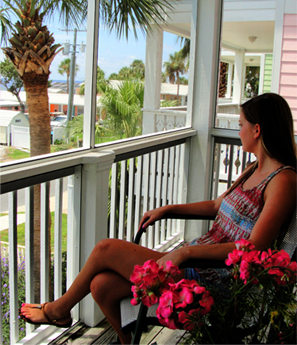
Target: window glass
(35, 121)
(121, 87)
(246, 59)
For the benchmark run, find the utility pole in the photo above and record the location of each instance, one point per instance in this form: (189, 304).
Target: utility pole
(72, 70)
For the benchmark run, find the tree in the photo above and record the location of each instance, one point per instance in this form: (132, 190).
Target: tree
(113, 76)
(174, 67)
(137, 69)
(124, 73)
(64, 67)
(101, 82)
(121, 108)
(11, 80)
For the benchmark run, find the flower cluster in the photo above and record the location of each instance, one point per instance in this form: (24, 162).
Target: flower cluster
(255, 304)
(183, 302)
(179, 303)
(150, 281)
(252, 265)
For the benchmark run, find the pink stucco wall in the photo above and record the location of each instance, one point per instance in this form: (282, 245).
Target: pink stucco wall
(288, 72)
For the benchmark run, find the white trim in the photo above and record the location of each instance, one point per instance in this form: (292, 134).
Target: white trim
(262, 72)
(91, 74)
(277, 46)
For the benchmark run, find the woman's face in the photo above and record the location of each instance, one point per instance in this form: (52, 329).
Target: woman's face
(247, 134)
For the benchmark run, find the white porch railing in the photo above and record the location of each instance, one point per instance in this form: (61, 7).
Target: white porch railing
(133, 176)
(143, 174)
(171, 118)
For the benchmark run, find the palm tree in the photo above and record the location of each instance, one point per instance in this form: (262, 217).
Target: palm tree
(64, 67)
(121, 108)
(174, 67)
(137, 69)
(124, 73)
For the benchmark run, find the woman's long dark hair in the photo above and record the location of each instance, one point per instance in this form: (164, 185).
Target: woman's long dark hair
(273, 114)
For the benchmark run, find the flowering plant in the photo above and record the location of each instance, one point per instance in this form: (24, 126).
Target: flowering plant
(256, 304)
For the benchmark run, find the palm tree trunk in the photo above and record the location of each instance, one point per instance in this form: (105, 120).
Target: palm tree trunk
(40, 133)
(39, 117)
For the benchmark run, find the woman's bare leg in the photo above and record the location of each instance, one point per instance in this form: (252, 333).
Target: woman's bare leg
(107, 294)
(109, 254)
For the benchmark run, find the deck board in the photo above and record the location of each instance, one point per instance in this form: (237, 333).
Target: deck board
(81, 334)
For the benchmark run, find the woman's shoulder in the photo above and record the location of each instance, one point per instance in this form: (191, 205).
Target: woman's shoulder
(284, 181)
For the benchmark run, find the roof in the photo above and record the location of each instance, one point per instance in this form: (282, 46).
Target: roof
(61, 87)
(166, 88)
(7, 116)
(54, 98)
(171, 89)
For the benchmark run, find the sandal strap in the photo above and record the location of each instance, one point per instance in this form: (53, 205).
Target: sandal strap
(51, 322)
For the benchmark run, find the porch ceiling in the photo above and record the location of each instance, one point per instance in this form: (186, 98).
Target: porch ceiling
(240, 21)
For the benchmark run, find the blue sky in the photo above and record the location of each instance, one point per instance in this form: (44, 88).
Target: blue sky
(113, 53)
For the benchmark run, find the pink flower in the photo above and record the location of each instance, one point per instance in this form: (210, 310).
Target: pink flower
(244, 245)
(136, 276)
(171, 269)
(206, 302)
(234, 257)
(166, 303)
(185, 297)
(149, 299)
(280, 275)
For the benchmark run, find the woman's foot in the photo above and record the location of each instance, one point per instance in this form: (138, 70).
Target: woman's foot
(41, 314)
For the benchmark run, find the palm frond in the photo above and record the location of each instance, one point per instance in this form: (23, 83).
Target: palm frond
(125, 15)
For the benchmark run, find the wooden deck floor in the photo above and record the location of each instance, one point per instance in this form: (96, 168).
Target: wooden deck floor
(104, 334)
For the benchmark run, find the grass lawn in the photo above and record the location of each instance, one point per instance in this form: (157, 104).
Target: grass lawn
(21, 233)
(14, 154)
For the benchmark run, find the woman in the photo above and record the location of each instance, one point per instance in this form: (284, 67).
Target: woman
(267, 197)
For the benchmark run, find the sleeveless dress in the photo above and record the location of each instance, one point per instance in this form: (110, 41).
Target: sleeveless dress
(235, 220)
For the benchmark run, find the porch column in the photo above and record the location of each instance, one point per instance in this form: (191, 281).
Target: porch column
(95, 181)
(238, 77)
(203, 87)
(262, 73)
(152, 84)
(229, 80)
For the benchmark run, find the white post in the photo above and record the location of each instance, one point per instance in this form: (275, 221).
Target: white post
(238, 77)
(277, 45)
(203, 88)
(95, 180)
(262, 74)
(153, 71)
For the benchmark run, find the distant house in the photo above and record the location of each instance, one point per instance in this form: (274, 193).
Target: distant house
(14, 129)
(169, 93)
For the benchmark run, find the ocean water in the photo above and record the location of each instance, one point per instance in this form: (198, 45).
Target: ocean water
(56, 80)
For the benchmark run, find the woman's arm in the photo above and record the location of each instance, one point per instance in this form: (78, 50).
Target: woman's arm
(202, 208)
(280, 201)
(279, 204)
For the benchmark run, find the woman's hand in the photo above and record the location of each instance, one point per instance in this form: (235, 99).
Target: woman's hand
(150, 217)
(177, 257)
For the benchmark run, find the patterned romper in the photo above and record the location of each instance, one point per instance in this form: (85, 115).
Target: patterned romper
(235, 220)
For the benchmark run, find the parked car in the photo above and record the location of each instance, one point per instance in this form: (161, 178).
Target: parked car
(59, 121)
